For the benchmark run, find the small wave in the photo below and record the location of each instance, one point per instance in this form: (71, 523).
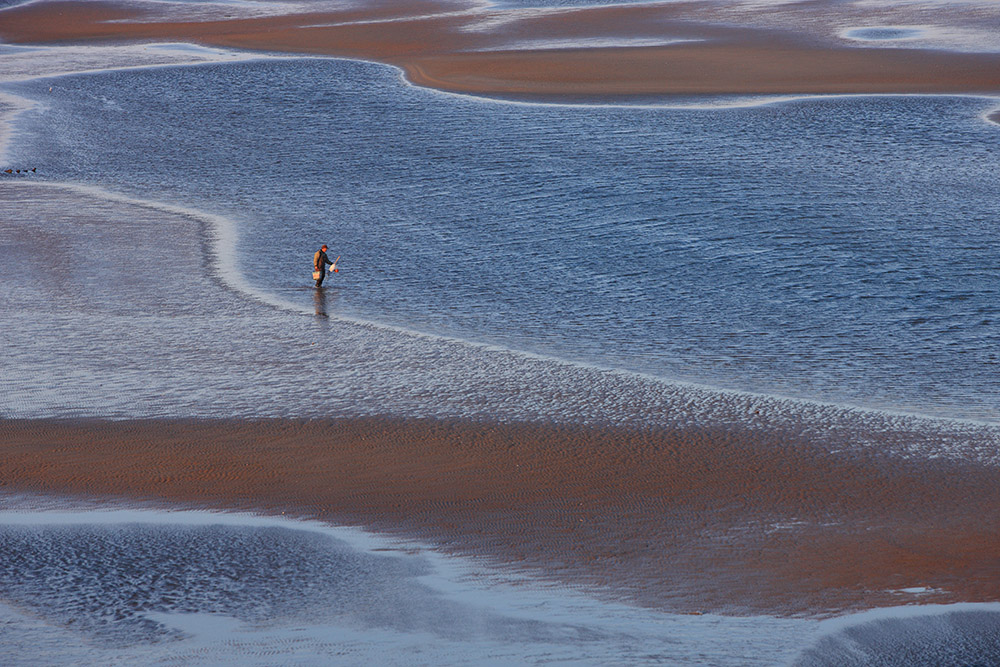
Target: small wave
(913, 636)
(884, 33)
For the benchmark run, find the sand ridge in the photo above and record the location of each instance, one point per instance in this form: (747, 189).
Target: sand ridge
(688, 521)
(475, 51)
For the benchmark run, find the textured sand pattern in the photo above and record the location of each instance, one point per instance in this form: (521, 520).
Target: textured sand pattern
(689, 510)
(687, 521)
(715, 47)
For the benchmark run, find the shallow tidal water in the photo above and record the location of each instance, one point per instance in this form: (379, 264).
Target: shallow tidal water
(191, 587)
(835, 249)
(100, 584)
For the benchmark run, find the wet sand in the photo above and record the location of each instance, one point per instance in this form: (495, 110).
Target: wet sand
(691, 511)
(686, 521)
(787, 50)
(693, 515)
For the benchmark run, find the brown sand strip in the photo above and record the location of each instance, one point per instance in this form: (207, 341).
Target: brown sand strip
(686, 520)
(707, 68)
(443, 52)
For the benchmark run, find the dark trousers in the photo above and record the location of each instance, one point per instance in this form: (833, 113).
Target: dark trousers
(322, 274)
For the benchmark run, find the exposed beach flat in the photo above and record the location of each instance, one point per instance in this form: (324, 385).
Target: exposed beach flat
(706, 47)
(770, 516)
(143, 366)
(680, 521)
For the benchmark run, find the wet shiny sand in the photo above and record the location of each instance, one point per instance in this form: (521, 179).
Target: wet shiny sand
(717, 47)
(685, 511)
(690, 522)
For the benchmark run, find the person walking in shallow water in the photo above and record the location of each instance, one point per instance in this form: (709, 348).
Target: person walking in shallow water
(320, 261)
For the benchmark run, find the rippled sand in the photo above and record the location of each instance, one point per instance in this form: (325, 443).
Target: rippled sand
(785, 513)
(677, 498)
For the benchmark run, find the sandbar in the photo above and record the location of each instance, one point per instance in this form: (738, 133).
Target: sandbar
(686, 521)
(706, 50)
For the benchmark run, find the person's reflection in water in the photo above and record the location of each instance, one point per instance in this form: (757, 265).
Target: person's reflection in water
(319, 300)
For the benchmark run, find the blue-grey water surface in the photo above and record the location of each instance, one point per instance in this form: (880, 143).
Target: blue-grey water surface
(841, 249)
(186, 588)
